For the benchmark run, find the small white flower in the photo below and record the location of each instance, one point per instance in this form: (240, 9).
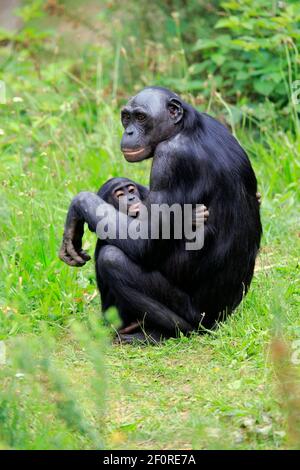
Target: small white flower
(17, 99)
(2, 132)
(19, 375)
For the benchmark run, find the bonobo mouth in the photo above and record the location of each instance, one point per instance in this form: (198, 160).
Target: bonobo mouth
(135, 155)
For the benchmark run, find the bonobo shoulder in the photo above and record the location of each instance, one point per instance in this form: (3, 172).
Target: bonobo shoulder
(212, 123)
(215, 134)
(177, 145)
(82, 196)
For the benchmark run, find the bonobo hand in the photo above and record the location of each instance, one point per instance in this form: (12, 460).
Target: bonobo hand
(71, 251)
(83, 209)
(134, 209)
(200, 215)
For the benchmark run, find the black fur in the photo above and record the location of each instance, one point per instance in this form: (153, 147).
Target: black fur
(195, 160)
(106, 193)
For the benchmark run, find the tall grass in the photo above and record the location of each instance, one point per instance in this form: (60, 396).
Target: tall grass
(40, 406)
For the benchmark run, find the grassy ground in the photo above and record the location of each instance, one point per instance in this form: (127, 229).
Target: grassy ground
(64, 384)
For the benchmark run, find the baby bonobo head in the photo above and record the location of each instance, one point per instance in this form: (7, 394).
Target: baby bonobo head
(152, 116)
(123, 194)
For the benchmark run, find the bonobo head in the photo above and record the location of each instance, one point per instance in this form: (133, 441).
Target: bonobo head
(152, 116)
(123, 194)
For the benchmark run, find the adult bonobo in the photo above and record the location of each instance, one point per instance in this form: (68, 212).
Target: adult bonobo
(195, 160)
(127, 196)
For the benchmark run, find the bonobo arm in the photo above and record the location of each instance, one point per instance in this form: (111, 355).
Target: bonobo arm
(83, 209)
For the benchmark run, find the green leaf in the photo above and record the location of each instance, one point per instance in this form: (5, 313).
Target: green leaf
(219, 59)
(200, 67)
(263, 86)
(202, 44)
(242, 75)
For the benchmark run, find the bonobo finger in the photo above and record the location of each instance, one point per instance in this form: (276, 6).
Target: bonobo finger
(72, 262)
(200, 208)
(133, 213)
(63, 255)
(73, 254)
(134, 209)
(84, 255)
(202, 216)
(67, 259)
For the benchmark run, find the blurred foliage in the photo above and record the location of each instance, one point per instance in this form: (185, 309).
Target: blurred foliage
(247, 51)
(40, 408)
(242, 53)
(252, 52)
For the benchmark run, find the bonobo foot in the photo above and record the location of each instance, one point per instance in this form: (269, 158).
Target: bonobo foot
(139, 338)
(129, 329)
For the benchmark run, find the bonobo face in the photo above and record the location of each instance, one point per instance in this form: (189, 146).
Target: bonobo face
(127, 196)
(152, 116)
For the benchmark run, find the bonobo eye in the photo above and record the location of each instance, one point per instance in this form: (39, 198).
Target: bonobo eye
(141, 117)
(131, 188)
(119, 193)
(125, 116)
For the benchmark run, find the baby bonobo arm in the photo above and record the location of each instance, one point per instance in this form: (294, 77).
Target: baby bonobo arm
(71, 251)
(88, 207)
(83, 209)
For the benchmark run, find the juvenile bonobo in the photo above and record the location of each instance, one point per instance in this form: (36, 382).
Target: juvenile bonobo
(126, 195)
(195, 159)
(117, 189)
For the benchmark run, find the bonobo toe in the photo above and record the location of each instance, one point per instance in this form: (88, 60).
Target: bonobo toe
(140, 338)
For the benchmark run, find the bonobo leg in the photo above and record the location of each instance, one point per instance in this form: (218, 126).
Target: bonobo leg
(141, 292)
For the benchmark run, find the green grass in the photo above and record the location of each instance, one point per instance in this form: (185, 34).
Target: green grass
(218, 390)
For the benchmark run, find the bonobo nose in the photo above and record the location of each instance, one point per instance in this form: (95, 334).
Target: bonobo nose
(129, 131)
(131, 198)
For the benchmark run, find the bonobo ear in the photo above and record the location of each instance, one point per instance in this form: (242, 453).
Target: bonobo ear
(175, 110)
